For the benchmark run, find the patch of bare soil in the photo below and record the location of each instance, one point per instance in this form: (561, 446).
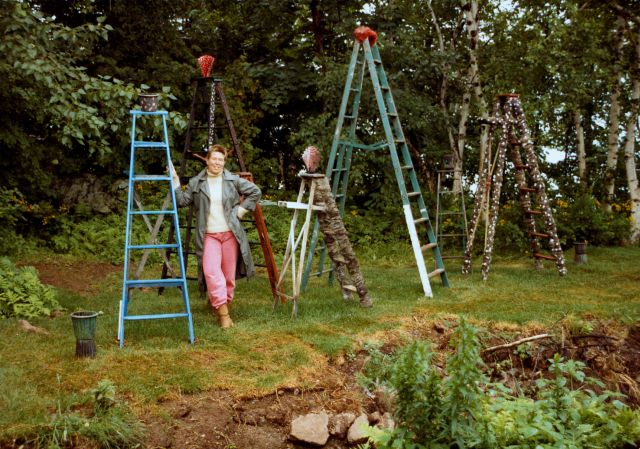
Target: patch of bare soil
(79, 277)
(216, 419)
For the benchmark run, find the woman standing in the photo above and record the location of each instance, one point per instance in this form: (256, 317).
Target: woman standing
(221, 199)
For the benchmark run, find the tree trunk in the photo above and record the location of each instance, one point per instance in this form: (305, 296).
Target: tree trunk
(317, 27)
(470, 10)
(444, 86)
(629, 145)
(580, 151)
(613, 145)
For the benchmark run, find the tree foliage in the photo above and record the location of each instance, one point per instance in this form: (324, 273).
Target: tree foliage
(72, 71)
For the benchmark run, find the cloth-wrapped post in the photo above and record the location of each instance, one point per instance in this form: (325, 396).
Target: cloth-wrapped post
(338, 244)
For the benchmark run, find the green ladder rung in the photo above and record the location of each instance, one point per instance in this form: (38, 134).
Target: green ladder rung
(155, 317)
(157, 246)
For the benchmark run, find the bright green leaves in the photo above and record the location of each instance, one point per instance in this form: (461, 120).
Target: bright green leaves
(22, 294)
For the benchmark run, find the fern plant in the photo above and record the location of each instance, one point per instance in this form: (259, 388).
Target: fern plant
(22, 294)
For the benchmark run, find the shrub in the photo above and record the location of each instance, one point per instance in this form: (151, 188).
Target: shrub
(582, 220)
(22, 294)
(462, 409)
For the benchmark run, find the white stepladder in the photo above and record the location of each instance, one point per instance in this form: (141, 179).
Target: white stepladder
(297, 240)
(343, 258)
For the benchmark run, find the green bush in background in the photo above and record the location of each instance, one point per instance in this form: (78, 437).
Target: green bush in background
(22, 294)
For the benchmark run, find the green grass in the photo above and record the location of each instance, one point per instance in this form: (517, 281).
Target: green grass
(267, 349)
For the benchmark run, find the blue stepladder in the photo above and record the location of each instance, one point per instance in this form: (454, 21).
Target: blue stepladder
(179, 281)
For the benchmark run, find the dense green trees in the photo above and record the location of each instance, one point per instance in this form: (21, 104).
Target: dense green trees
(72, 70)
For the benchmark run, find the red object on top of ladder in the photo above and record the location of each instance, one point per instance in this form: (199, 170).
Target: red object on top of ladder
(362, 33)
(206, 64)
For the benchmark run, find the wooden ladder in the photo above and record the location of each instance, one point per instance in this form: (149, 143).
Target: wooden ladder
(515, 138)
(202, 130)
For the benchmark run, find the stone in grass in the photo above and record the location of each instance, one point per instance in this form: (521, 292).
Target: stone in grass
(356, 432)
(339, 424)
(311, 428)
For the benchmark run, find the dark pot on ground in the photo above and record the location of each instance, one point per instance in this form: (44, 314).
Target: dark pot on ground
(580, 253)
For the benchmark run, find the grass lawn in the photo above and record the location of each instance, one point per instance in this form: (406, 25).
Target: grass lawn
(267, 349)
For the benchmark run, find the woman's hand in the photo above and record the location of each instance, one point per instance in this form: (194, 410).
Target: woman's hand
(172, 172)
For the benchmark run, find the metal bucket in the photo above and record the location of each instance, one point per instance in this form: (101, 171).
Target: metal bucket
(580, 253)
(149, 102)
(84, 324)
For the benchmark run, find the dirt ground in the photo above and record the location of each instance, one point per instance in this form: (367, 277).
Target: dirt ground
(217, 419)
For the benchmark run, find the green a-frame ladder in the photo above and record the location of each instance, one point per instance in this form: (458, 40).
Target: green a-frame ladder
(366, 59)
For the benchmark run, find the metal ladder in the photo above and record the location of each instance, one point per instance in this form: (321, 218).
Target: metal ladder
(508, 115)
(451, 215)
(207, 93)
(365, 58)
(171, 211)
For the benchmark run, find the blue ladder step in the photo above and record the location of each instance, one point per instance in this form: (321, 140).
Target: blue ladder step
(146, 144)
(169, 282)
(155, 317)
(151, 178)
(139, 112)
(155, 246)
(152, 212)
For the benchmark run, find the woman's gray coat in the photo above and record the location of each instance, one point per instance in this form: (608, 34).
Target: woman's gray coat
(197, 193)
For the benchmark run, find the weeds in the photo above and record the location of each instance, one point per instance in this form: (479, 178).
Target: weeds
(109, 425)
(463, 409)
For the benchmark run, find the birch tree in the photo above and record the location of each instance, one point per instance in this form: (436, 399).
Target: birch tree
(630, 138)
(474, 87)
(614, 112)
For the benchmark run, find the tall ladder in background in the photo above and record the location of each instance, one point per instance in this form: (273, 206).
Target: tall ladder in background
(171, 211)
(451, 214)
(515, 137)
(366, 58)
(202, 131)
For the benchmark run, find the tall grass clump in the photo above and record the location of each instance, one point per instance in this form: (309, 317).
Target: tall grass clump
(460, 408)
(96, 417)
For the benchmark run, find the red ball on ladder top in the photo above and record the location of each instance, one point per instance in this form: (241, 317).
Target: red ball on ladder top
(206, 64)
(362, 33)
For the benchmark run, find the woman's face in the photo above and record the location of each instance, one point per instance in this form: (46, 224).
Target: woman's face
(215, 163)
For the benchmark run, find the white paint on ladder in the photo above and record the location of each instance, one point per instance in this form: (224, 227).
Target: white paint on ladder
(417, 252)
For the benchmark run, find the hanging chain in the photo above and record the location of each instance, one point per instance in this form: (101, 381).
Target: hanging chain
(213, 138)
